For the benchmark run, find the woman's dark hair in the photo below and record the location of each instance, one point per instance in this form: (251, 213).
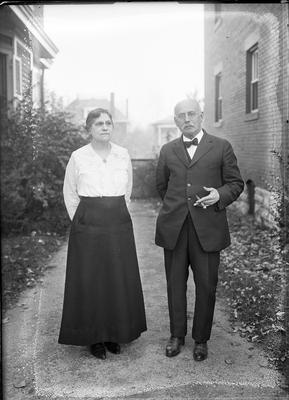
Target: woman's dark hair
(94, 114)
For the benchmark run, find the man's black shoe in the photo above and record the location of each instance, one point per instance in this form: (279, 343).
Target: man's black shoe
(98, 351)
(174, 346)
(112, 347)
(200, 351)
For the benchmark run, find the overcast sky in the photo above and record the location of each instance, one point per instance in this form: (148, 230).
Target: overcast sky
(150, 53)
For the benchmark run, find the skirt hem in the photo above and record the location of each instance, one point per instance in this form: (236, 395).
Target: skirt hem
(79, 342)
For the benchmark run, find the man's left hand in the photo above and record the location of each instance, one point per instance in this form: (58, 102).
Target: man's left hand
(212, 198)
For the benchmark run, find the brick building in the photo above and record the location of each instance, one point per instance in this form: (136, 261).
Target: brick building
(26, 52)
(246, 94)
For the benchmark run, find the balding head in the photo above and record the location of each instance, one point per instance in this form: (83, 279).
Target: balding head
(187, 104)
(188, 117)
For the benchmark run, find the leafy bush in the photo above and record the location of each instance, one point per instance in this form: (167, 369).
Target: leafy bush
(282, 217)
(144, 185)
(35, 147)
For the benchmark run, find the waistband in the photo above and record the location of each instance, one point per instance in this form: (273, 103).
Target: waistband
(100, 198)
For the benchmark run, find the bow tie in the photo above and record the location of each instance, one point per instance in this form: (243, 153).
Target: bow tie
(193, 142)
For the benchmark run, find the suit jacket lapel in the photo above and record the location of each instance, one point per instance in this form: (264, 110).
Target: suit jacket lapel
(206, 144)
(180, 151)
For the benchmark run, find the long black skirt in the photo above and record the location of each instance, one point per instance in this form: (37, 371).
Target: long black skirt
(103, 298)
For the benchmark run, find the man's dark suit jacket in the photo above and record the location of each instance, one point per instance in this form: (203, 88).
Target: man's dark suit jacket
(178, 181)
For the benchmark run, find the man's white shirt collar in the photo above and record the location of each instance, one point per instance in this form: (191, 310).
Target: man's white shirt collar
(198, 136)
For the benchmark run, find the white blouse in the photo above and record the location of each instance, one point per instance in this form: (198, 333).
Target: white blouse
(87, 174)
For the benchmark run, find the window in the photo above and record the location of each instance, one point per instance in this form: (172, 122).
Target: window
(22, 68)
(252, 80)
(17, 76)
(166, 134)
(3, 80)
(218, 97)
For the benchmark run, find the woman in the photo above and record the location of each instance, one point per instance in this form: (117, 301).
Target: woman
(103, 300)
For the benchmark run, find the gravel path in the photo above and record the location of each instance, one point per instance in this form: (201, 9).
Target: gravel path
(33, 359)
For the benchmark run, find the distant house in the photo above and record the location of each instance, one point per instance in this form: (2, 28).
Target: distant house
(165, 130)
(246, 94)
(79, 109)
(25, 52)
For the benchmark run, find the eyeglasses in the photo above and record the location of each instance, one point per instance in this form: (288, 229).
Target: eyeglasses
(102, 123)
(191, 115)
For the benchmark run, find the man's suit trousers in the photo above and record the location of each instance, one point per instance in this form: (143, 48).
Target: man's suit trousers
(188, 252)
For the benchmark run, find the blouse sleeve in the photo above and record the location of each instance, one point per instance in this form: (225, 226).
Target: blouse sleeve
(71, 198)
(129, 183)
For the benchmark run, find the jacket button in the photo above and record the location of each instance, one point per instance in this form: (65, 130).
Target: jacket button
(189, 198)
(189, 184)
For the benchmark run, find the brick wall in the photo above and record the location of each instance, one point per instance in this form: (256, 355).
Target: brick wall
(225, 45)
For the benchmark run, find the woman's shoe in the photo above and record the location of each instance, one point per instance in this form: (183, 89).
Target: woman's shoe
(98, 351)
(112, 347)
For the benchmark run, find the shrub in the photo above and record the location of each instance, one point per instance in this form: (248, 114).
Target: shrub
(35, 147)
(282, 217)
(144, 184)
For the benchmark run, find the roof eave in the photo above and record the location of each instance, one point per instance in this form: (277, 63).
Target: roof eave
(26, 17)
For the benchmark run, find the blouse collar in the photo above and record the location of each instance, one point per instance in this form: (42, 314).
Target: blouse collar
(114, 151)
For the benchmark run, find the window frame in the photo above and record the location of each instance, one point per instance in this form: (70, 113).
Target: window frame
(218, 98)
(252, 78)
(17, 58)
(15, 61)
(4, 80)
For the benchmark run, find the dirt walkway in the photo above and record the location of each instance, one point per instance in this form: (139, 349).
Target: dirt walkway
(46, 370)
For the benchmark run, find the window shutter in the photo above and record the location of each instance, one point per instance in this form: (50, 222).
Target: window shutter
(248, 81)
(17, 76)
(218, 97)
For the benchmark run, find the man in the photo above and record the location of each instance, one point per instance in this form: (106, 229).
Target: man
(197, 177)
